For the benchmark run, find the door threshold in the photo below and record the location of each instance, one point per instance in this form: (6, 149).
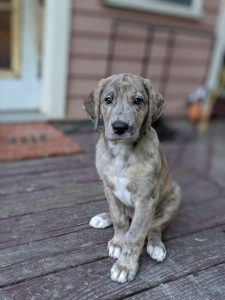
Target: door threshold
(22, 116)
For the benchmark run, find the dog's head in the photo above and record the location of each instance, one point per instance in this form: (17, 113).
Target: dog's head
(125, 104)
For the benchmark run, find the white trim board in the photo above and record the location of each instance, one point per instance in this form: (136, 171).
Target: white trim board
(218, 50)
(194, 11)
(55, 60)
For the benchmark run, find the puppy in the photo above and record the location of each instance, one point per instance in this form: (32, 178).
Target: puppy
(135, 175)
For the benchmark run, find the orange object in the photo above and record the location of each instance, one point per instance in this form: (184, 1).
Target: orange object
(194, 112)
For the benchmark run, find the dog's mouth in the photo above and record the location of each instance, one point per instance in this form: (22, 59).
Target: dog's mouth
(126, 137)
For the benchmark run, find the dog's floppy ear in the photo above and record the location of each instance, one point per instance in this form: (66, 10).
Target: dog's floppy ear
(92, 103)
(155, 103)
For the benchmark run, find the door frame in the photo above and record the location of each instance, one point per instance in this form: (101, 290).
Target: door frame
(55, 58)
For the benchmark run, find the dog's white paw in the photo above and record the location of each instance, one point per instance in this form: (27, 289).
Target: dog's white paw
(100, 221)
(123, 271)
(157, 253)
(118, 275)
(114, 251)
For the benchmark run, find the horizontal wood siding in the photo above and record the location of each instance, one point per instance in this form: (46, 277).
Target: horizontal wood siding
(91, 30)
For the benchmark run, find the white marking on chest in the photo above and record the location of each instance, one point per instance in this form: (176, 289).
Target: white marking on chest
(121, 192)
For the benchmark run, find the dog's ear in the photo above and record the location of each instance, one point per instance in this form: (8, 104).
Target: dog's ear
(92, 103)
(156, 103)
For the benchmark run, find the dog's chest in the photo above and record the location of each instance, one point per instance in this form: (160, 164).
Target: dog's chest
(120, 190)
(118, 175)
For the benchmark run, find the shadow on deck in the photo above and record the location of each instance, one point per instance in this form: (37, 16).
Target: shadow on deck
(48, 250)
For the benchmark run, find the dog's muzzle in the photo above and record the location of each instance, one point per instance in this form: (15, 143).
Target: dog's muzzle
(120, 127)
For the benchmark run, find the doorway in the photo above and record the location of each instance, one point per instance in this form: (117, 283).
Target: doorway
(33, 67)
(20, 54)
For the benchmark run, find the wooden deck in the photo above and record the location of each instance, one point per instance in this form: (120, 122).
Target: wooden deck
(48, 250)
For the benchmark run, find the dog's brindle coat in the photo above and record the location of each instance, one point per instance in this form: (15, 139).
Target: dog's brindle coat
(133, 169)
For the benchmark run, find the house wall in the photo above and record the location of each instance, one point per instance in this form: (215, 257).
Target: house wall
(91, 39)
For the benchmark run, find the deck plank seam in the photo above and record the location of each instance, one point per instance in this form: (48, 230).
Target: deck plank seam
(49, 273)
(169, 281)
(51, 209)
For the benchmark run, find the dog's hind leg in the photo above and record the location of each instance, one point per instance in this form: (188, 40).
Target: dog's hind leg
(102, 221)
(155, 246)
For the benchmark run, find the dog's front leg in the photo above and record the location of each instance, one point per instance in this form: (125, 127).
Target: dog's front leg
(120, 224)
(126, 267)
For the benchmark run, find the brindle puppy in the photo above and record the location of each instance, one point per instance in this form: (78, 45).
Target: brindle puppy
(133, 169)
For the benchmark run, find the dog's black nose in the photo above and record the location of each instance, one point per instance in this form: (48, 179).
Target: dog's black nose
(119, 127)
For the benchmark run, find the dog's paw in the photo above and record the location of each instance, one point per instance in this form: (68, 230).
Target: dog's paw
(124, 271)
(157, 252)
(101, 221)
(114, 249)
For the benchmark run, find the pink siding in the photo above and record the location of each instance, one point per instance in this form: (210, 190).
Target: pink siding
(90, 36)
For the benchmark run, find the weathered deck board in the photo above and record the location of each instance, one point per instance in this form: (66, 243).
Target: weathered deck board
(86, 281)
(19, 229)
(37, 166)
(54, 179)
(39, 200)
(45, 194)
(50, 255)
(47, 249)
(207, 284)
(62, 231)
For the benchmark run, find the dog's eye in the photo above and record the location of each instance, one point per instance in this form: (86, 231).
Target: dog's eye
(108, 100)
(137, 101)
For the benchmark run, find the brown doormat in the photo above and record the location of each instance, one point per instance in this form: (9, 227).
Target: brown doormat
(32, 140)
